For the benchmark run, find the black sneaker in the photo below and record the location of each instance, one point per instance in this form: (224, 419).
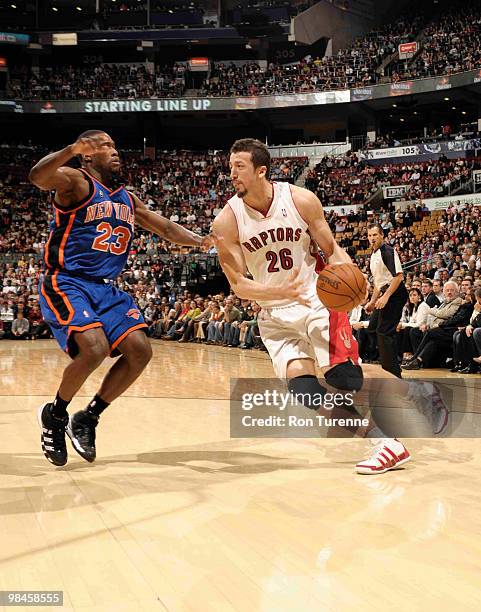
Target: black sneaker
(53, 435)
(81, 430)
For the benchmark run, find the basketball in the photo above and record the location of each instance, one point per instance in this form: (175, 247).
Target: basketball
(341, 287)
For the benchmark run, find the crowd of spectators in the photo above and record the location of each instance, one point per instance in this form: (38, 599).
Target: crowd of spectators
(184, 186)
(429, 179)
(102, 81)
(453, 248)
(450, 44)
(354, 66)
(443, 277)
(20, 316)
(350, 67)
(348, 179)
(440, 326)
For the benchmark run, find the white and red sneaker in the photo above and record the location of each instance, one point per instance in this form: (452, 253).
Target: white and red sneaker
(387, 454)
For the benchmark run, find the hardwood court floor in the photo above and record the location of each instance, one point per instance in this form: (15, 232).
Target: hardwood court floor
(175, 515)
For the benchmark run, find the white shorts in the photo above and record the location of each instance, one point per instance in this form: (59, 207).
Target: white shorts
(302, 332)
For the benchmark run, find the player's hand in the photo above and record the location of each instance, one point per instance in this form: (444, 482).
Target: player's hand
(85, 146)
(293, 288)
(381, 302)
(207, 242)
(469, 331)
(369, 307)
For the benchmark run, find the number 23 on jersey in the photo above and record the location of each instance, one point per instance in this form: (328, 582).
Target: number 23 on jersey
(102, 242)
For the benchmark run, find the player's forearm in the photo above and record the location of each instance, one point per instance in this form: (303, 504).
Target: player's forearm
(375, 294)
(44, 169)
(339, 255)
(179, 235)
(248, 289)
(171, 231)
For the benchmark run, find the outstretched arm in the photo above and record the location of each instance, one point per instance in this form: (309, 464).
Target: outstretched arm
(173, 232)
(232, 260)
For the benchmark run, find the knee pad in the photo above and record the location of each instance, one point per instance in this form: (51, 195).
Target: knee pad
(345, 376)
(307, 390)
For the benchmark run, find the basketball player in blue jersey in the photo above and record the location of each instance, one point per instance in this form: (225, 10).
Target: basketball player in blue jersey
(90, 238)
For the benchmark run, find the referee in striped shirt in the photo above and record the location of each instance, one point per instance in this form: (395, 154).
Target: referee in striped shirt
(388, 298)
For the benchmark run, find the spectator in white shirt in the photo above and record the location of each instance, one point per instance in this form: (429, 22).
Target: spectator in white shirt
(415, 314)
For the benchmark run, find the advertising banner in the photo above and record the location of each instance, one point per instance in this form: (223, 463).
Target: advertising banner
(408, 50)
(343, 210)
(392, 192)
(443, 203)
(179, 105)
(423, 150)
(14, 39)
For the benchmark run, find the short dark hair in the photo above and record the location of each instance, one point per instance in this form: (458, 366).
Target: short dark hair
(89, 133)
(372, 226)
(259, 152)
(427, 281)
(477, 293)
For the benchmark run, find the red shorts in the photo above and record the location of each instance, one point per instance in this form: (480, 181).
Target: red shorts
(342, 344)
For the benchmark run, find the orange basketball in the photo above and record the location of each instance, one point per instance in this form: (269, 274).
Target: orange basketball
(341, 287)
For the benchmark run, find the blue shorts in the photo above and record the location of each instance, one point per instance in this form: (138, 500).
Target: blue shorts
(71, 304)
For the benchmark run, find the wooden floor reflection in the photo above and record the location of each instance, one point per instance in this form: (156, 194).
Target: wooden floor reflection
(175, 515)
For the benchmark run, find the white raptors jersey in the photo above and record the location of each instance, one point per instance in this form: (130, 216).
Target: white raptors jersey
(276, 243)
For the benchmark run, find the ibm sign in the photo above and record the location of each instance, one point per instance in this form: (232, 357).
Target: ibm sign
(397, 191)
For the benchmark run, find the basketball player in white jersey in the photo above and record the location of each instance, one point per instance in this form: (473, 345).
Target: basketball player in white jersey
(267, 229)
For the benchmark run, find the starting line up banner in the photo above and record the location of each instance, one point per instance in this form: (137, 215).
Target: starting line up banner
(181, 105)
(175, 105)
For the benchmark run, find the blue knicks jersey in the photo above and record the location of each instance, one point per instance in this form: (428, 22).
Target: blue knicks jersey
(92, 237)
